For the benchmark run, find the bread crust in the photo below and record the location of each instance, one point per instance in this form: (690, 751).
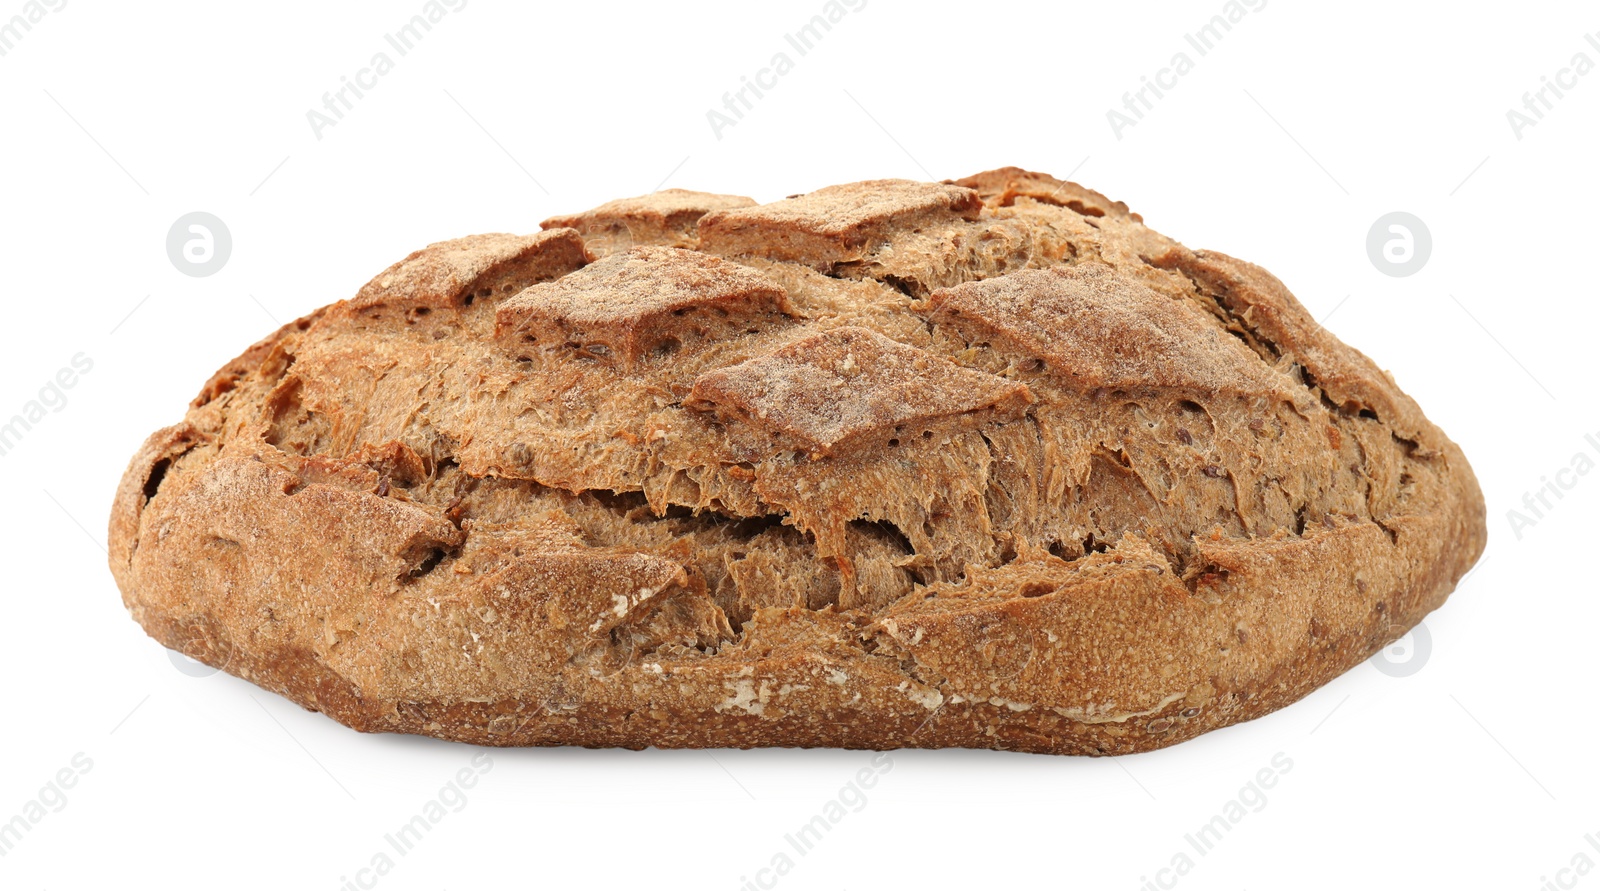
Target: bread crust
(983, 463)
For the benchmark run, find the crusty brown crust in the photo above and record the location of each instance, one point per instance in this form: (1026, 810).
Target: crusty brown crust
(981, 463)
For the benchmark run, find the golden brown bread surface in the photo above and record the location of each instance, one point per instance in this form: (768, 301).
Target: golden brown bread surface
(982, 463)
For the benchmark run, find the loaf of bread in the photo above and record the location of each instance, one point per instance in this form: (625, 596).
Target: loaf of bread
(981, 463)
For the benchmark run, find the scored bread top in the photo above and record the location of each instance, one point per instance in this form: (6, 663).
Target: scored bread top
(878, 424)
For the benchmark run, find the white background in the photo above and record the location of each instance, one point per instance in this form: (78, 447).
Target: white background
(1282, 146)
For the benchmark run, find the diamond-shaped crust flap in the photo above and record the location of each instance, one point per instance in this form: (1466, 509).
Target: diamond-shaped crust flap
(837, 224)
(1096, 328)
(453, 273)
(669, 211)
(849, 382)
(643, 303)
(1002, 188)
